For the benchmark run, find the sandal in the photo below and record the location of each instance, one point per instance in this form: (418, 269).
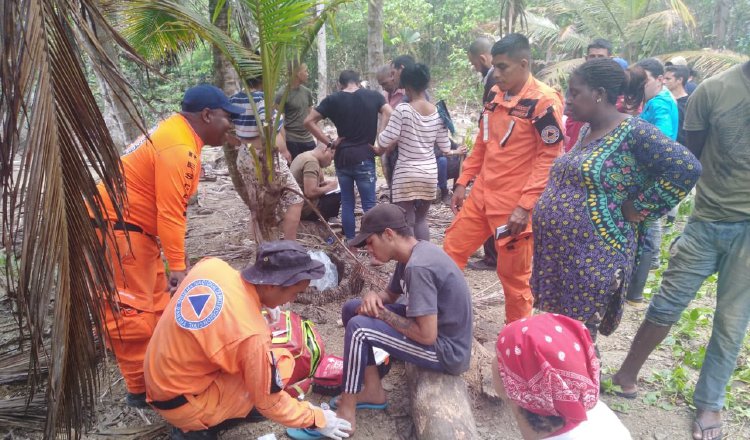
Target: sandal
(334, 404)
(703, 429)
(303, 433)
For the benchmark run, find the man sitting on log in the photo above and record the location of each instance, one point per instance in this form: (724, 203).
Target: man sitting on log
(430, 326)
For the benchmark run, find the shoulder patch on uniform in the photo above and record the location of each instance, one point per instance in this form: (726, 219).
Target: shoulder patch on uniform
(524, 109)
(548, 127)
(199, 305)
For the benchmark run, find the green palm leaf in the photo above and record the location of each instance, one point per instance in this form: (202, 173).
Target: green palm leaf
(188, 20)
(557, 74)
(155, 34)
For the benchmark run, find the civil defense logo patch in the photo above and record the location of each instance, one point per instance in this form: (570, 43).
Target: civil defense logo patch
(199, 305)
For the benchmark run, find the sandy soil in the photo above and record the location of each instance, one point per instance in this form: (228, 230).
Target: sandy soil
(218, 227)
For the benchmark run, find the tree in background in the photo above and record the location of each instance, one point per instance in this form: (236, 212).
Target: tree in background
(637, 27)
(374, 40)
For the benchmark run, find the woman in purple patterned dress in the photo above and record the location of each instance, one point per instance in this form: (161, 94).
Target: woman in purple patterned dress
(589, 219)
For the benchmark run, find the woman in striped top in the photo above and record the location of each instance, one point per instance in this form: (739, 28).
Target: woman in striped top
(416, 128)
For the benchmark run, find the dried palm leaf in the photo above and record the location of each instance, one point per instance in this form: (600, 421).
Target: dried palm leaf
(708, 62)
(19, 412)
(54, 145)
(145, 432)
(14, 367)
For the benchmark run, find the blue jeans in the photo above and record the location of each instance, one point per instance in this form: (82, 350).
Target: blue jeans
(363, 174)
(363, 333)
(703, 249)
(442, 167)
(650, 252)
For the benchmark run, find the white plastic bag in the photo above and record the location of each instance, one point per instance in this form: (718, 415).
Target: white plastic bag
(331, 277)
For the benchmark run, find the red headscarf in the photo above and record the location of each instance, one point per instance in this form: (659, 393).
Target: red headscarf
(549, 367)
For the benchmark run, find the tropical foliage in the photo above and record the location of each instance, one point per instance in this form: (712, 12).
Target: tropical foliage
(283, 31)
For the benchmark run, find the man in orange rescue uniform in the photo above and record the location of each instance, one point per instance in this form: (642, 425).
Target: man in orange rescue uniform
(161, 174)
(519, 138)
(211, 361)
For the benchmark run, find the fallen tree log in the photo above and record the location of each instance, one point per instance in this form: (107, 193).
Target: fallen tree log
(479, 376)
(440, 405)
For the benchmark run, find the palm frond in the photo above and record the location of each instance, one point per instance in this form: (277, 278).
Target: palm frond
(182, 16)
(557, 74)
(54, 147)
(681, 9)
(154, 33)
(541, 30)
(708, 62)
(565, 41)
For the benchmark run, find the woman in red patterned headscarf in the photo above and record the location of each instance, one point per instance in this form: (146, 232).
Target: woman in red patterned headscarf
(547, 370)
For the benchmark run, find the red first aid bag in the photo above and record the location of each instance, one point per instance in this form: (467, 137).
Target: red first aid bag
(329, 376)
(298, 336)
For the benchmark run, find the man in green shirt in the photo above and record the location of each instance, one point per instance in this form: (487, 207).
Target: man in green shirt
(307, 169)
(715, 240)
(298, 103)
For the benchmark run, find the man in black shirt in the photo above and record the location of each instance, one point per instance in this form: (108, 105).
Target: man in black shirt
(354, 111)
(675, 79)
(481, 59)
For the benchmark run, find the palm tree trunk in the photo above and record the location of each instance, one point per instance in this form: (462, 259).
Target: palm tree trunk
(721, 20)
(226, 79)
(374, 40)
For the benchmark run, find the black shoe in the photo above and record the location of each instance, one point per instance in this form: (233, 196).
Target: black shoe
(206, 434)
(480, 265)
(136, 400)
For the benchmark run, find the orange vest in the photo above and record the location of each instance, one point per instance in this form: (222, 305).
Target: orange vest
(213, 326)
(517, 142)
(161, 174)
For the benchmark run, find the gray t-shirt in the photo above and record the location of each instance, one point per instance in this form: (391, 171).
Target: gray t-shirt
(432, 284)
(721, 105)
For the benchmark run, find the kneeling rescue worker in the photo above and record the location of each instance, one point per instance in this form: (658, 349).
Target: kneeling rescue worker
(210, 359)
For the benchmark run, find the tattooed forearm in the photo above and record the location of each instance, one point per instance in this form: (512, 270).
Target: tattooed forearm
(398, 322)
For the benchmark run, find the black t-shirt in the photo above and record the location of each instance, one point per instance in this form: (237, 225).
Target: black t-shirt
(681, 106)
(355, 116)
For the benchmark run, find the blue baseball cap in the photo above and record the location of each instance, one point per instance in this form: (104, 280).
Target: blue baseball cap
(621, 62)
(207, 96)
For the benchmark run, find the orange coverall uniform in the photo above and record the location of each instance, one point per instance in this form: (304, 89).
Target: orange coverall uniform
(517, 142)
(161, 174)
(213, 346)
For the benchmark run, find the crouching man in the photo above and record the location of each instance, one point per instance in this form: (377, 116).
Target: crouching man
(430, 325)
(307, 169)
(210, 359)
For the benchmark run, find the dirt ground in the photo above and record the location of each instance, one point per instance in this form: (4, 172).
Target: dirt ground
(218, 227)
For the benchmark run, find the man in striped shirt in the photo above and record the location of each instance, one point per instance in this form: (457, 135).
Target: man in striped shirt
(248, 135)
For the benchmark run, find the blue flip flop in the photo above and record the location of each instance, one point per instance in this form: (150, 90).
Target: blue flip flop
(303, 433)
(334, 404)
